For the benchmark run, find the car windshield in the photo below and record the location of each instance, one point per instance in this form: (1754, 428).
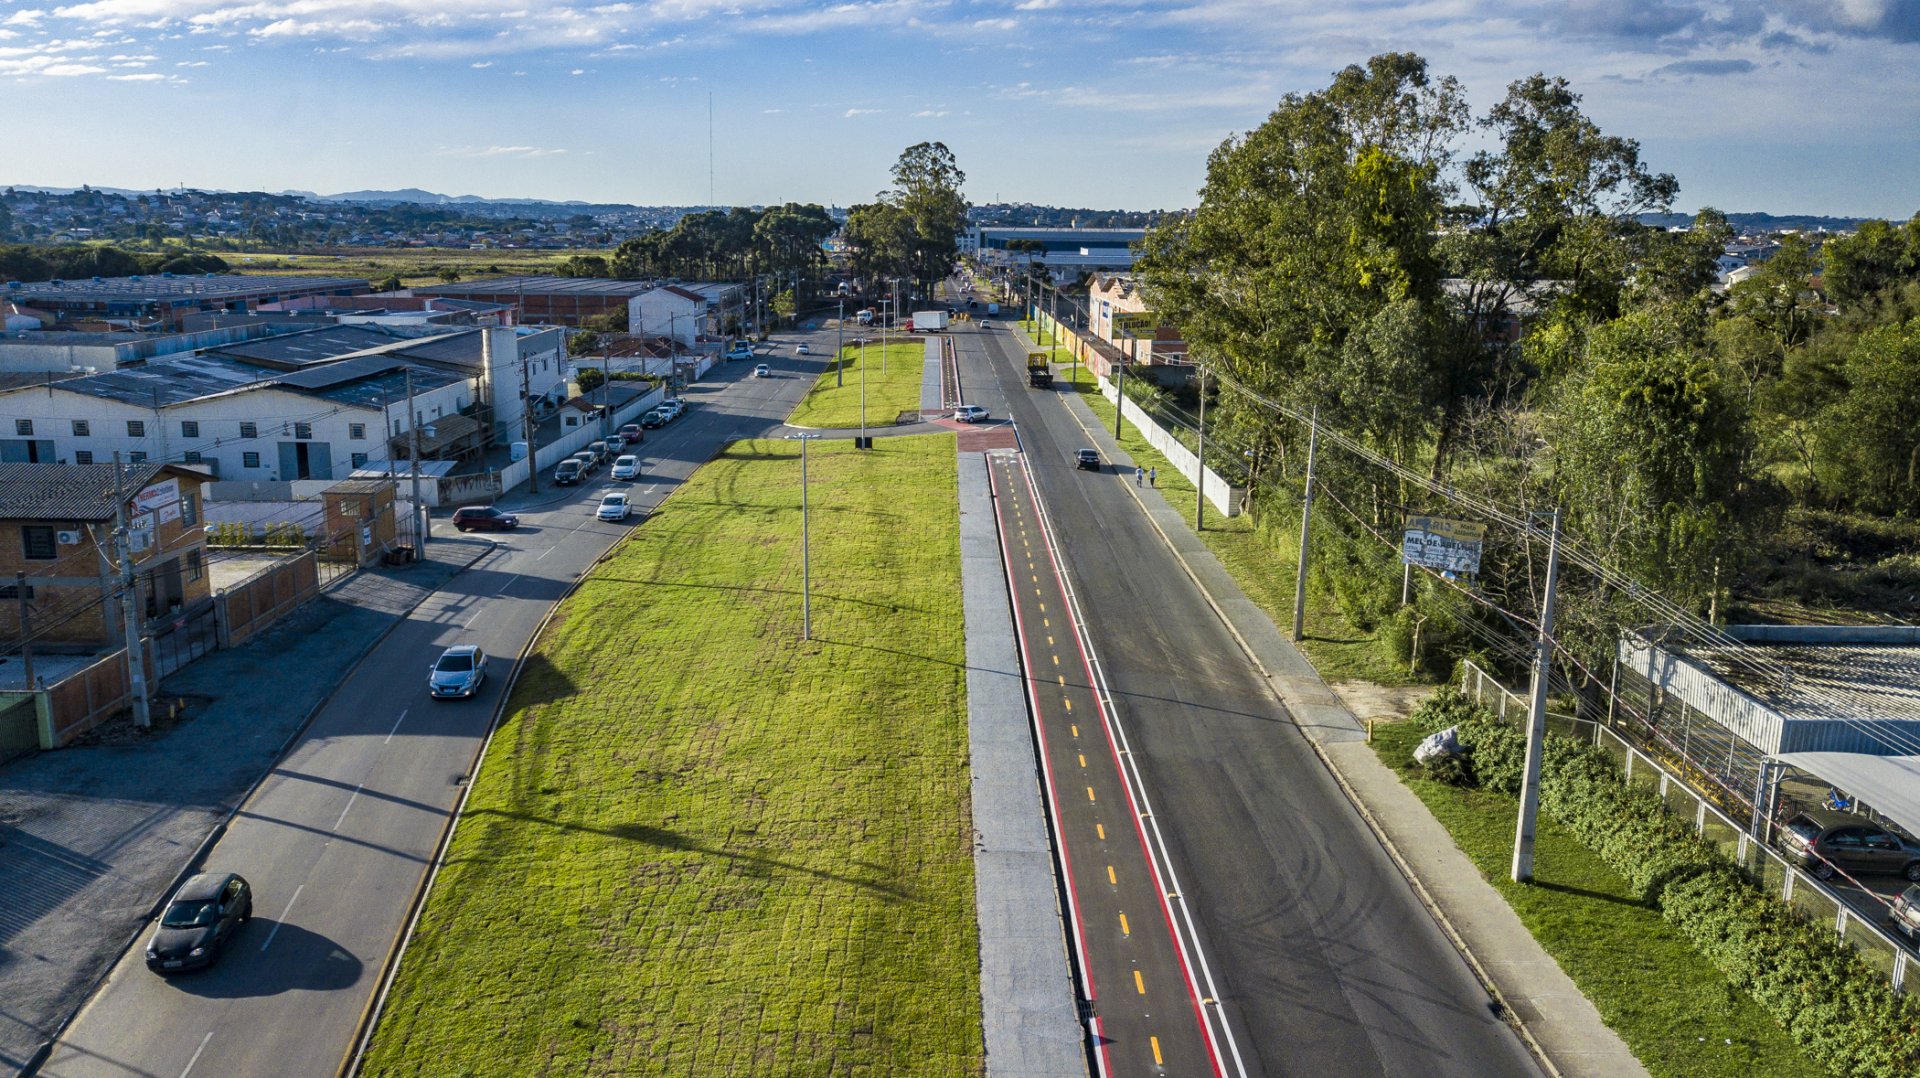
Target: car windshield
(195, 914)
(626, 462)
(614, 499)
(1806, 829)
(455, 664)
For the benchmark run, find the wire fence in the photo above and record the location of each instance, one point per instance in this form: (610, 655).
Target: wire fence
(1774, 874)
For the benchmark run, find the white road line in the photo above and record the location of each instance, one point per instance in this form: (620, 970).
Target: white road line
(511, 579)
(396, 726)
(549, 550)
(283, 917)
(349, 805)
(196, 1054)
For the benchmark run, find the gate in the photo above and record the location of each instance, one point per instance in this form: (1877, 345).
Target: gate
(182, 637)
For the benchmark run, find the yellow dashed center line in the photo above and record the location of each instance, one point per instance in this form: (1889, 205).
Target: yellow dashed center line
(1083, 759)
(1076, 729)
(1155, 1041)
(1069, 704)
(1056, 660)
(1049, 639)
(1090, 796)
(1111, 877)
(1139, 982)
(1124, 930)
(1101, 830)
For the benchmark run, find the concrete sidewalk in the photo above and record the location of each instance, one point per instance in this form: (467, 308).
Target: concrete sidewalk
(1557, 1021)
(91, 837)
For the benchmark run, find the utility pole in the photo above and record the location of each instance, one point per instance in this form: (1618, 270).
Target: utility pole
(1537, 717)
(1119, 389)
(839, 343)
(527, 425)
(413, 461)
(129, 620)
(863, 391)
(1200, 472)
(1306, 519)
(26, 630)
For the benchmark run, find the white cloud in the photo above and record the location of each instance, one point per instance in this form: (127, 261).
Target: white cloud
(484, 63)
(851, 113)
(24, 17)
(931, 112)
(502, 151)
(578, 71)
(150, 76)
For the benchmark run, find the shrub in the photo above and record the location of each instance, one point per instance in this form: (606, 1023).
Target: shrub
(1815, 986)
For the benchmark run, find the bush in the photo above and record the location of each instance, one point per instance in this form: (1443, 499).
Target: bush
(1814, 985)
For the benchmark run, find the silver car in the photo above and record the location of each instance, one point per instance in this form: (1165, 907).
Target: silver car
(459, 673)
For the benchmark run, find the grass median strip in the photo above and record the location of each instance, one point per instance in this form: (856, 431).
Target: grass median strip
(700, 845)
(1676, 1012)
(893, 377)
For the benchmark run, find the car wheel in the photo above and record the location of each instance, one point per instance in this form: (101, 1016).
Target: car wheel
(1822, 871)
(460, 527)
(1913, 872)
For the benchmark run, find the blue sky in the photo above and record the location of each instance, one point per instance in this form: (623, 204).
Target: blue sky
(1775, 105)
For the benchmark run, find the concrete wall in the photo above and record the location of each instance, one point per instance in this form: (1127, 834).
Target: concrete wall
(575, 440)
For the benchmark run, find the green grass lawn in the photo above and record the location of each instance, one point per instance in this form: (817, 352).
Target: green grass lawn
(1672, 1007)
(1260, 559)
(893, 386)
(700, 845)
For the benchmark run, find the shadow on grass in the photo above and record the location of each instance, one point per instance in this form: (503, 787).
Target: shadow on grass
(1585, 893)
(673, 840)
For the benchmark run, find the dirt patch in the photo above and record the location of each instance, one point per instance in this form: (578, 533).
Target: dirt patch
(1380, 703)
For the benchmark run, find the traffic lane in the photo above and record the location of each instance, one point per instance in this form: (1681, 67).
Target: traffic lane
(1148, 1016)
(1324, 954)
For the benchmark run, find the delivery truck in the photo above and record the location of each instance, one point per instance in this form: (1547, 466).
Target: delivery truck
(1039, 371)
(929, 321)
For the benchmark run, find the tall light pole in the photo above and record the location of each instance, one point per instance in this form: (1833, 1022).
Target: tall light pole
(1200, 471)
(1537, 718)
(863, 391)
(839, 343)
(806, 557)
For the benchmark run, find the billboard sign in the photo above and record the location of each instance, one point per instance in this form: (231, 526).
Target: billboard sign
(1451, 546)
(1136, 323)
(157, 495)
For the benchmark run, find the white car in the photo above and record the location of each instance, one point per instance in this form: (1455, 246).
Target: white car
(676, 408)
(803, 349)
(969, 413)
(626, 467)
(763, 371)
(614, 507)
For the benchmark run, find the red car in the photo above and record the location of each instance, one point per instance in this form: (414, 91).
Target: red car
(484, 518)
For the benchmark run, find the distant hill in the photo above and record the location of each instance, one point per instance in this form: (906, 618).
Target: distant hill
(430, 198)
(1763, 222)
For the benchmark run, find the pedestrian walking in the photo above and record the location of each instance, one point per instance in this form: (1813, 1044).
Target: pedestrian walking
(1153, 476)
(1139, 473)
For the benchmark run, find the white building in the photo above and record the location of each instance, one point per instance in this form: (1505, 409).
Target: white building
(686, 312)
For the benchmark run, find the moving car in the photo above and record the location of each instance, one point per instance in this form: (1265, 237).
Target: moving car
(1087, 460)
(763, 371)
(459, 673)
(614, 507)
(627, 467)
(567, 472)
(969, 413)
(1824, 841)
(485, 518)
(803, 349)
(986, 323)
(630, 433)
(199, 920)
(741, 350)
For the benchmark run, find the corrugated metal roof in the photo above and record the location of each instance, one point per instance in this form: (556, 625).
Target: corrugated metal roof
(312, 346)
(63, 492)
(156, 287)
(538, 286)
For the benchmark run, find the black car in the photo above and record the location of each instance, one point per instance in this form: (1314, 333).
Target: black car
(1824, 841)
(199, 920)
(484, 518)
(655, 418)
(1087, 459)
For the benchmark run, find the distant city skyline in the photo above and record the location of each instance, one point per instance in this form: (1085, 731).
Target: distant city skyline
(1783, 106)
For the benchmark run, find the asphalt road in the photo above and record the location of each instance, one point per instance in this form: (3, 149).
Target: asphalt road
(1326, 962)
(338, 837)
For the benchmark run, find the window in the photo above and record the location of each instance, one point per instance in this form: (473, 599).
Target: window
(81, 428)
(189, 429)
(193, 565)
(249, 460)
(23, 427)
(357, 431)
(83, 456)
(136, 457)
(192, 456)
(12, 591)
(36, 542)
(136, 428)
(303, 430)
(249, 430)
(359, 460)
(189, 509)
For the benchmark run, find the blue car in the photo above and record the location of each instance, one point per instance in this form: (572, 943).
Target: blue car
(459, 673)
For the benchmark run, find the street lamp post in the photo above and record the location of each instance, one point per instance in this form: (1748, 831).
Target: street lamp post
(806, 555)
(839, 343)
(863, 391)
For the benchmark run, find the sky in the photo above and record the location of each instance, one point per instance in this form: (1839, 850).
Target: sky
(1781, 106)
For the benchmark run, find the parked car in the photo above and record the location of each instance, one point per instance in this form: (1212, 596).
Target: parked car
(568, 472)
(459, 672)
(741, 350)
(803, 349)
(588, 462)
(1825, 840)
(655, 417)
(969, 413)
(627, 467)
(1906, 913)
(601, 451)
(763, 371)
(1087, 460)
(630, 433)
(614, 507)
(199, 920)
(485, 518)
(676, 407)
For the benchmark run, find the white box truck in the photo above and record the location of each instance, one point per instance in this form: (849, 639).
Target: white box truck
(929, 321)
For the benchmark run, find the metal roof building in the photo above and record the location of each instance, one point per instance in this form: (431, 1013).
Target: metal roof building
(166, 299)
(559, 301)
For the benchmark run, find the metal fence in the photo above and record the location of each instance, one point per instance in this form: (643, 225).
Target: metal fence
(1771, 872)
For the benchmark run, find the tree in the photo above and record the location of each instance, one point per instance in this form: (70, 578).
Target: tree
(879, 240)
(926, 188)
(589, 378)
(1871, 444)
(1876, 256)
(583, 266)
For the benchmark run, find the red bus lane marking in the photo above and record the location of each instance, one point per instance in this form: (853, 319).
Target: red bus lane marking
(1109, 722)
(1053, 796)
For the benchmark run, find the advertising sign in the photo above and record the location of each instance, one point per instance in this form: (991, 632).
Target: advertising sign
(1448, 545)
(1136, 323)
(157, 495)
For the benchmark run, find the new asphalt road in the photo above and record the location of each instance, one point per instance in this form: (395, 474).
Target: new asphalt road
(338, 837)
(1325, 961)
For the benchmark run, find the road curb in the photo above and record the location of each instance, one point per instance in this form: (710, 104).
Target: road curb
(1507, 1012)
(200, 852)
